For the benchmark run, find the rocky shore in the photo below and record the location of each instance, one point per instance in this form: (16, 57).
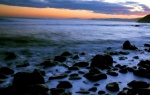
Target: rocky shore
(123, 72)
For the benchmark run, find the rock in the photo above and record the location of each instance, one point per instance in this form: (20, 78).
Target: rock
(3, 76)
(147, 45)
(11, 56)
(123, 71)
(113, 86)
(122, 58)
(142, 73)
(82, 53)
(6, 71)
(101, 61)
(81, 64)
(74, 77)
(22, 65)
(60, 58)
(56, 91)
(96, 84)
(144, 64)
(101, 92)
(128, 46)
(43, 73)
(123, 92)
(37, 89)
(66, 53)
(112, 73)
(138, 84)
(1, 81)
(64, 84)
(76, 57)
(136, 57)
(144, 91)
(124, 52)
(95, 70)
(95, 77)
(22, 80)
(60, 76)
(83, 92)
(73, 68)
(48, 63)
(7, 90)
(130, 69)
(94, 89)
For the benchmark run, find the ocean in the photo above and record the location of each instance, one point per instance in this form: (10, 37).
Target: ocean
(36, 40)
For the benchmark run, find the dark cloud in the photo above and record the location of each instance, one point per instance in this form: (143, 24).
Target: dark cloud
(95, 6)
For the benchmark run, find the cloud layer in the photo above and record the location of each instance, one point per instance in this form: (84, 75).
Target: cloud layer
(98, 6)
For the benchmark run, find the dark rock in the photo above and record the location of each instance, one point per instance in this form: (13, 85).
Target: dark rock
(22, 80)
(123, 71)
(130, 69)
(123, 92)
(7, 90)
(102, 61)
(3, 76)
(64, 84)
(37, 89)
(56, 91)
(1, 81)
(122, 58)
(136, 57)
(144, 91)
(113, 86)
(23, 65)
(95, 70)
(147, 45)
(83, 92)
(128, 46)
(73, 68)
(142, 73)
(94, 89)
(138, 84)
(43, 73)
(82, 53)
(95, 77)
(144, 64)
(74, 77)
(81, 72)
(112, 73)
(11, 56)
(6, 71)
(48, 63)
(66, 53)
(124, 52)
(101, 92)
(76, 57)
(113, 53)
(60, 76)
(96, 84)
(118, 65)
(81, 64)
(60, 58)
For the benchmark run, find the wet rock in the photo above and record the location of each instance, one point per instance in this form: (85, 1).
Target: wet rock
(118, 65)
(94, 89)
(123, 71)
(96, 84)
(101, 61)
(122, 58)
(123, 92)
(73, 68)
(3, 76)
(124, 52)
(76, 57)
(138, 84)
(23, 65)
(6, 71)
(136, 57)
(64, 84)
(112, 73)
(130, 69)
(81, 64)
(82, 53)
(83, 92)
(113, 53)
(95, 77)
(81, 72)
(142, 73)
(144, 91)
(48, 63)
(7, 90)
(113, 86)
(60, 76)
(147, 45)
(56, 91)
(101, 92)
(74, 77)
(144, 64)
(37, 89)
(95, 70)
(22, 80)
(11, 56)
(66, 53)
(43, 73)
(128, 46)
(60, 58)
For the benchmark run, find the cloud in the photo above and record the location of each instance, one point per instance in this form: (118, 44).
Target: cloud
(98, 6)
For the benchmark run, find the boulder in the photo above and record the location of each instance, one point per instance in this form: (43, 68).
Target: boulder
(95, 77)
(11, 56)
(48, 63)
(66, 53)
(138, 84)
(81, 64)
(128, 46)
(113, 86)
(101, 61)
(6, 71)
(60, 58)
(57, 91)
(64, 84)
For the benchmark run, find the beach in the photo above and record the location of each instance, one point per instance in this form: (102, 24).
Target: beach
(73, 57)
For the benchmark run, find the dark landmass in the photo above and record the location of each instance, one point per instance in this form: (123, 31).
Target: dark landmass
(145, 19)
(116, 19)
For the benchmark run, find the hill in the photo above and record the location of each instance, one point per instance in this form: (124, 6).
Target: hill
(145, 19)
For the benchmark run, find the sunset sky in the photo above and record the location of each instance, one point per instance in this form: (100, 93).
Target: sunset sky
(75, 8)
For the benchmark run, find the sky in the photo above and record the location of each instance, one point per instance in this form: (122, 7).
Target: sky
(75, 8)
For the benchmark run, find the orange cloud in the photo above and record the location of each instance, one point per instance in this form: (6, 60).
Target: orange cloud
(17, 11)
